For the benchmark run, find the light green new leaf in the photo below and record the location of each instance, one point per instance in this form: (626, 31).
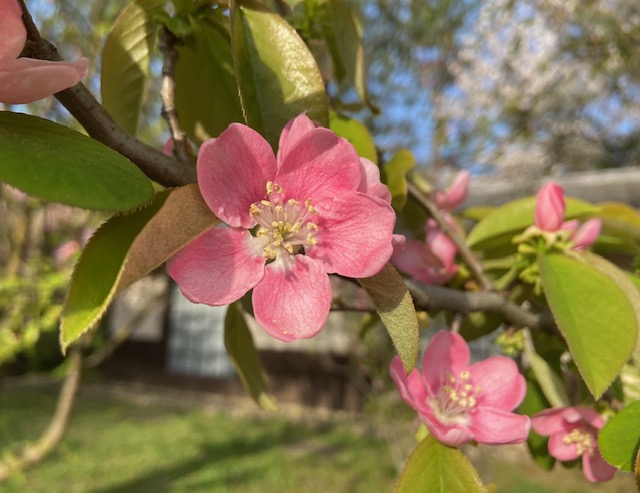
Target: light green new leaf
(125, 249)
(125, 61)
(278, 77)
(245, 358)
(435, 468)
(356, 133)
(620, 218)
(501, 224)
(619, 440)
(395, 307)
(548, 380)
(55, 163)
(394, 174)
(206, 91)
(343, 33)
(594, 314)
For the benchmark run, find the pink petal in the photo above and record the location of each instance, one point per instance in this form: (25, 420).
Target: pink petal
(456, 194)
(291, 134)
(354, 234)
(447, 352)
(501, 385)
(293, 299)
(441, 246)
(411, 387)
(13, 34)
(26, 80)
(595, 468)
(233, 171)
(371, 183)
(561, 450)
(218, 267)
(550, 421)
(587, 234)
(495, 426)
(318, 166)
(550, 207)
(449, 434)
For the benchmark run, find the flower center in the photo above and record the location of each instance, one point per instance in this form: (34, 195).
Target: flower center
(455, 399)
(284, 225)
(583, 440)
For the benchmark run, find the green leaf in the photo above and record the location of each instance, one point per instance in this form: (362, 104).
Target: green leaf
(356, 133)
(125, 62)
(619, 440)
(500, 225)
(594, 314)
(395, 307)
(549, 381)
(394, 174)
(436, 468)
(534, 401)
(206, 91)
(53, 162)
(620, 218)
(343, 33)
(126, 248)
(245, 358)
(278, 78)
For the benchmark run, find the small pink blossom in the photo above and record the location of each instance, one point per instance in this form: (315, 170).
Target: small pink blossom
(456, 194)
(431, 261)
(550, 207)
(585, 235)
(23, 80)
(573, 433)
(314, 209)
(460, 403)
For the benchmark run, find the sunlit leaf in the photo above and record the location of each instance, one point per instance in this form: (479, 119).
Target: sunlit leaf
(356, 133)
(125, 61)
(126, 248)
(394, 174)
(436, 468)
(395, 307)
(278, 78)
(594, 314)
(245, 358)
(53, 162)
(619, 440)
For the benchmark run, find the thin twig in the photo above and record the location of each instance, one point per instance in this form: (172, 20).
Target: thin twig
(464, 251)
(32, 454)
(99, 124)
(168, 95)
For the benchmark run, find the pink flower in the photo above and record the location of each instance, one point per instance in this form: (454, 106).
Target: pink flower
(431, 261)
(460, 403)
(456, 194)
(313, 210)
(573, 433)
(583, 236)
(23, 80)
(550, 207)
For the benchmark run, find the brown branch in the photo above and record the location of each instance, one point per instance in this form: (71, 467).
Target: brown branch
(99, 124)
(168, 95)
(32, 454)
(464, 251)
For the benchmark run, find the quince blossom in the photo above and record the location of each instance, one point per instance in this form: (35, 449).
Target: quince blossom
(573, 433)
(314, 209)
(23, 80)
(431, 261)
(456, 194)
(460, 403)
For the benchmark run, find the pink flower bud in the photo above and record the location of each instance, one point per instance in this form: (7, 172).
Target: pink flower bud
(550, 207)
(586, 234)
(456, 194)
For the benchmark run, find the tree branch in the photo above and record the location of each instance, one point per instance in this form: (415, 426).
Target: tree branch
(32, 454)
(99, 124)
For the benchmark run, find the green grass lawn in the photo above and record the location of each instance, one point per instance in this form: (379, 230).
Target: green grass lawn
(120, 446)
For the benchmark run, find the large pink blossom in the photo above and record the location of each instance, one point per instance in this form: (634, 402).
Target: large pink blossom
(456, 194)
(460, 403)
(431, 261)
(23, 80)
(573, 433)
(314, 209)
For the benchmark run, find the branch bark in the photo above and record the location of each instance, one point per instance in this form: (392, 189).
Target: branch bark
(32, 454)
(98, 123)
